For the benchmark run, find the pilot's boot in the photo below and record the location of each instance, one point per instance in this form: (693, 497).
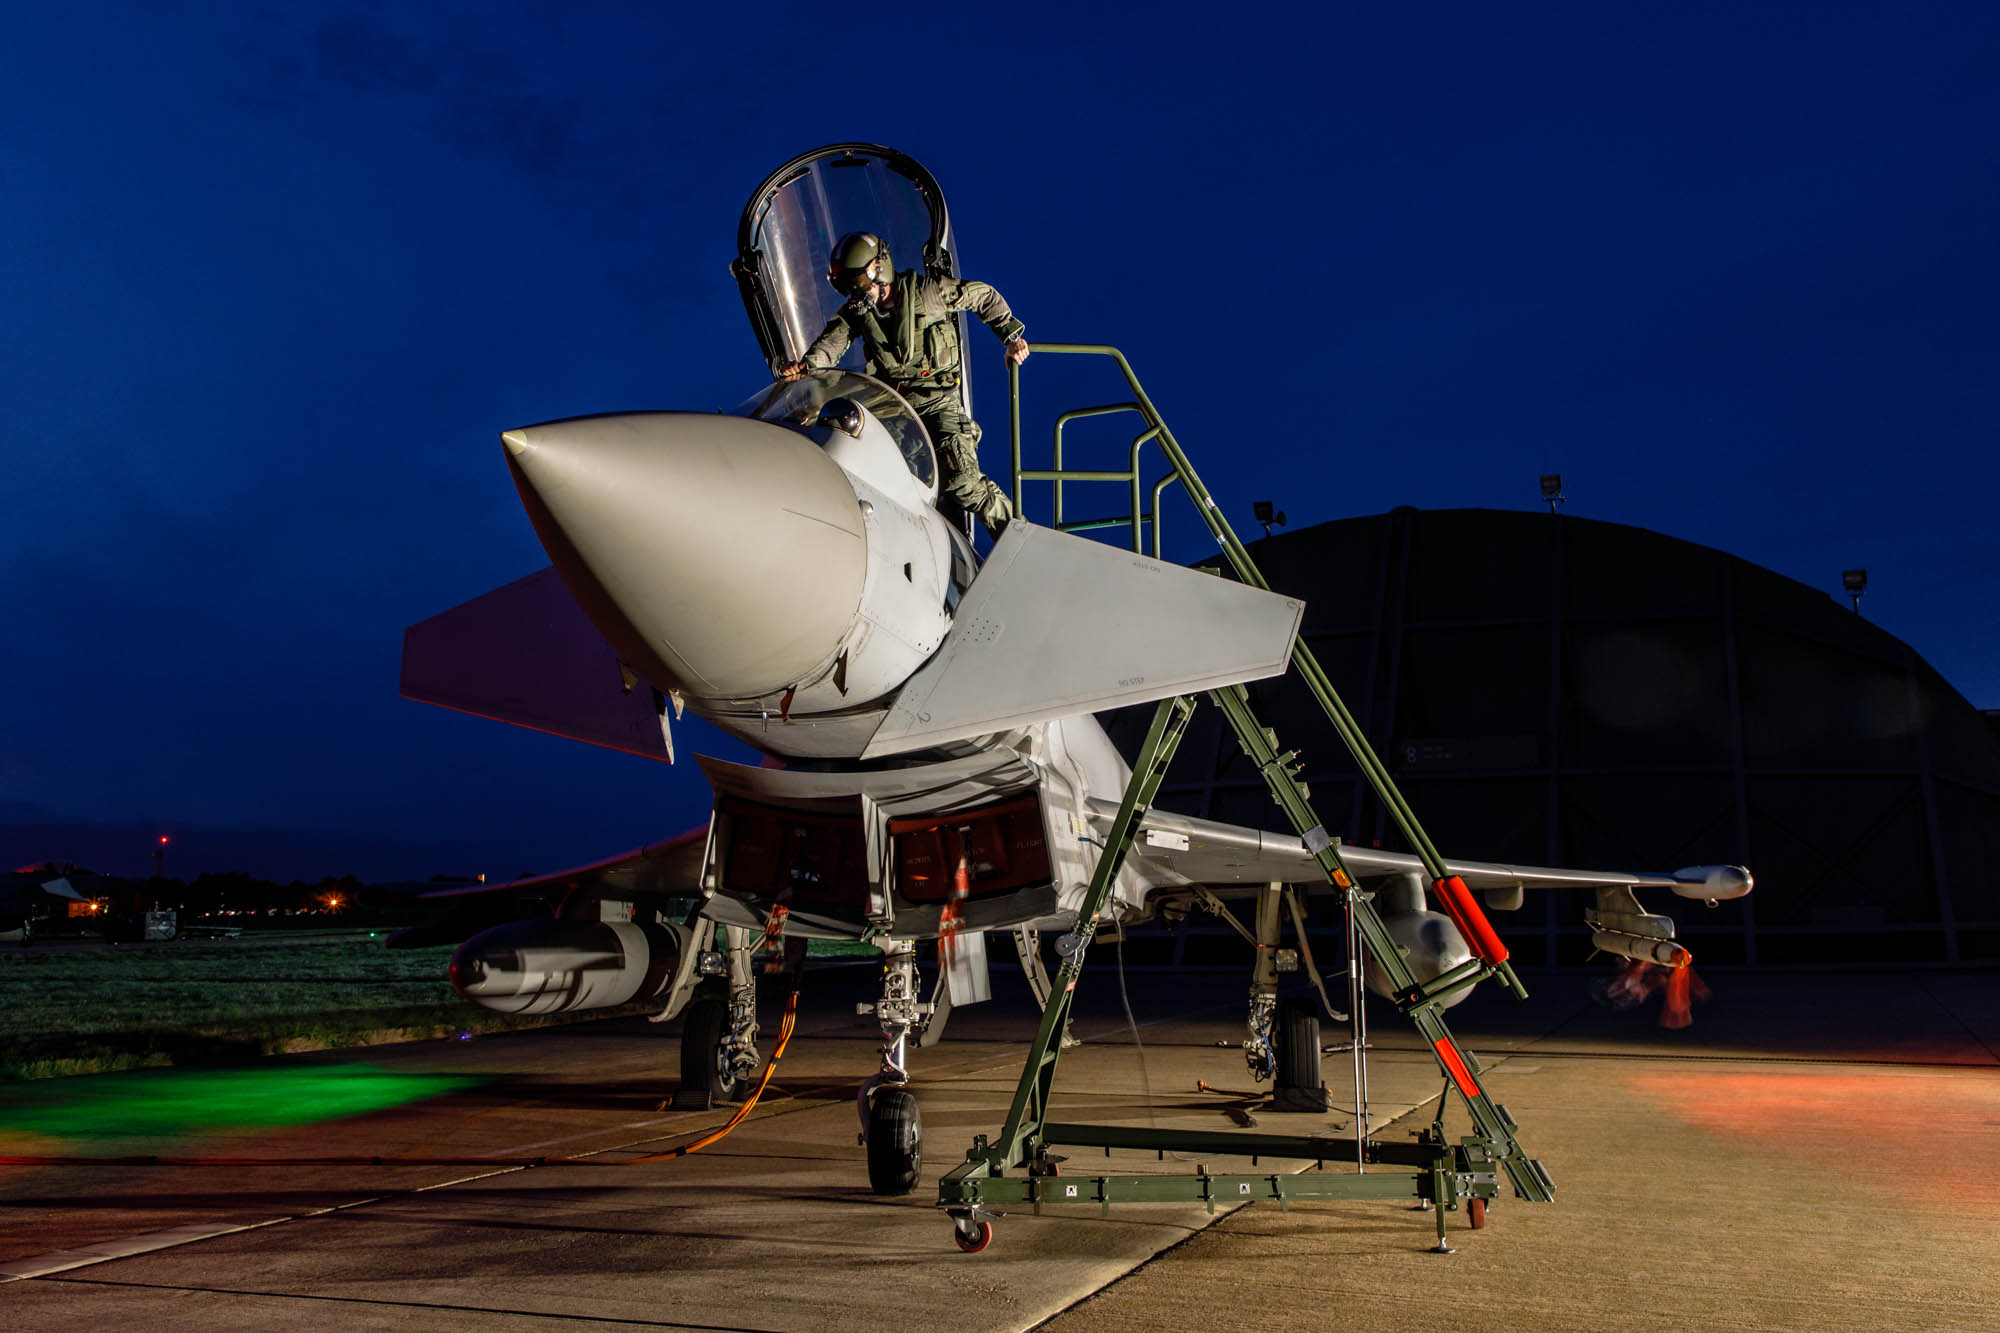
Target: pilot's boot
(963, 485)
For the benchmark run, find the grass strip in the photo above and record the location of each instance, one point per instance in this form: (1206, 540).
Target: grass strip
(97, 1010)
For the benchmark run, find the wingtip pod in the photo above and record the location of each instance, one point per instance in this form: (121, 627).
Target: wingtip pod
(1713, 883)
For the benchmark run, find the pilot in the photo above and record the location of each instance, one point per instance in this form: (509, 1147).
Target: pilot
(907, 330)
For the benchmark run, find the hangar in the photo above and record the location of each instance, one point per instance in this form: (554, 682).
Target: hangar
(1565, 691)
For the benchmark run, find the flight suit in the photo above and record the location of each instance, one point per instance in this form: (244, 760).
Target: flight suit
(915, 349)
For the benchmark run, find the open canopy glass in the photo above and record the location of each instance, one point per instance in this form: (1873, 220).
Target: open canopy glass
(792, 220)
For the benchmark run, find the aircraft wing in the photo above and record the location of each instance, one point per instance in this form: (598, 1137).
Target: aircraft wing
(1181, 849)
(1055, 625)
(671, 868)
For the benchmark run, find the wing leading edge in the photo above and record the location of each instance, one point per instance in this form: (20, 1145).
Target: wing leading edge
(1181, 849)
(1055, 626)
(671, 867)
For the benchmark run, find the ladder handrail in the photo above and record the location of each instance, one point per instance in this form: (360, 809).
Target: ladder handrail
(1372, 767)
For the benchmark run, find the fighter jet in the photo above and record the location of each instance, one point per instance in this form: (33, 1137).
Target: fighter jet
(935, 770)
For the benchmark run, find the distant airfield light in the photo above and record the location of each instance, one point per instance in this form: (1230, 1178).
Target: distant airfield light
(1856, 583)
(1268, 515)
(1552, 490)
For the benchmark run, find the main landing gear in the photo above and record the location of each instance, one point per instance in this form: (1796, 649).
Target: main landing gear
(719, 1026)
(707, 1063)
(1283, 1040)
(1298, 1084)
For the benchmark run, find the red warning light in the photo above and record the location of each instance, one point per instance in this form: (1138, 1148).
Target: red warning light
(163, 840)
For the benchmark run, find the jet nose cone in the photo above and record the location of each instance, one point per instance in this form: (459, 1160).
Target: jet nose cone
(727, 553)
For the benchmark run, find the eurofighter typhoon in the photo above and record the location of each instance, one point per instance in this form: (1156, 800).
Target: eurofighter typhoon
(783, 571)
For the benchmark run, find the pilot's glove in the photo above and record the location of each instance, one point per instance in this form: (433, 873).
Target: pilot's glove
(1017, 350)
(792, 370)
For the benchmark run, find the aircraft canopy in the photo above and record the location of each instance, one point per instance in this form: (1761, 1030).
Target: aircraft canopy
(792, 220)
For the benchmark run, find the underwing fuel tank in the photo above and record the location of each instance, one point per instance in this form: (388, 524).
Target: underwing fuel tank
(1431, 944)
(554, 967)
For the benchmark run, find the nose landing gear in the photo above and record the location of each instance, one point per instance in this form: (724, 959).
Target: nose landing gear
(892, 1128)
(895, 1142)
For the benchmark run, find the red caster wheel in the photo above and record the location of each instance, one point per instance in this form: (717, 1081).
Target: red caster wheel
(972, 1237)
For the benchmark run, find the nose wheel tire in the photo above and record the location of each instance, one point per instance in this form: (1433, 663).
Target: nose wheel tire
(972, 1237)
(704, 1061)
(895, 1143)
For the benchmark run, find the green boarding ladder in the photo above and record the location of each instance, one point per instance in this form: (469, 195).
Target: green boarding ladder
(1439, 1172)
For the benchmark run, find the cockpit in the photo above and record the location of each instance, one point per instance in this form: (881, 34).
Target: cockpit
(828, 406)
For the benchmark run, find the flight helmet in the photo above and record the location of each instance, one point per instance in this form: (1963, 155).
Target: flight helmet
(856, 256)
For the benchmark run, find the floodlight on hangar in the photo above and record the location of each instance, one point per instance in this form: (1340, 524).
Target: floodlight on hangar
(1856, 583)
(1552, 490)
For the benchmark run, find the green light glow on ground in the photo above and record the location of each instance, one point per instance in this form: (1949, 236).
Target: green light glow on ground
(180, 1102)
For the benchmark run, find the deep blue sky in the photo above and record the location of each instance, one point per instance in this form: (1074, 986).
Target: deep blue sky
(275, 275)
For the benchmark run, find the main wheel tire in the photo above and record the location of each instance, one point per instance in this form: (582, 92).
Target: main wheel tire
(895, 1142)
(1299, 1085)
(704, 1062)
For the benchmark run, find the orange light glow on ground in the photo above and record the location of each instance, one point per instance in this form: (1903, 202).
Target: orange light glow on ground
(1927, 1137)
